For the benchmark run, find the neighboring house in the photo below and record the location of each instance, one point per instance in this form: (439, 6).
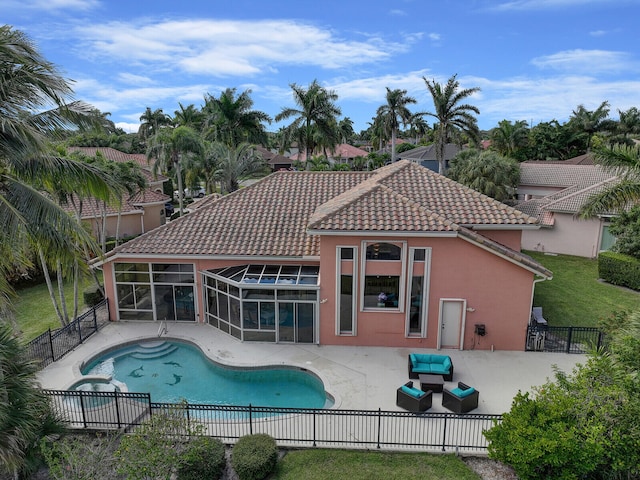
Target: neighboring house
(275, 160)
(426, 156)
(554, 192)
(139, 213)
(398, 257)
(343, 153)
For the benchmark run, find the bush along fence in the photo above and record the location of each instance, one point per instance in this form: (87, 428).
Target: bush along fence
(564, 339)
(294, 427)
(54, 344)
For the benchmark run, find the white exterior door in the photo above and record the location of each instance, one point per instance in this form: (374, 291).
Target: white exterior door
(451, 323)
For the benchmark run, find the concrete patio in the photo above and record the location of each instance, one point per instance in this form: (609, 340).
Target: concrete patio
(357, 377)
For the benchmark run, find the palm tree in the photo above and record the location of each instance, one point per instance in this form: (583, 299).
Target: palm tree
(624, 161)
(589, 122)
(35, 105)
(345, 129)
(231, 120)
(394, 113)
(170, 147)
(236, 163)
(629, 123)
(379, 133)
(510, 138)
(486, 172)
(419, 126)
(189, 117)
(25, 412)
(451, 114)
(315, 116)
(152, 122)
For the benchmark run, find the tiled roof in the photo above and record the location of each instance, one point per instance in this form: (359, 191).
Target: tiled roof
(281, 214)
(551, 174)
(344, 150)
(419, 195)
(568, 200)
(92, 208)
(428, 152)
(571, 200)
(112, 154)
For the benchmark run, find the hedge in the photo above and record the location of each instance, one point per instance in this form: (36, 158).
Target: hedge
(619, 269)
(254, 457)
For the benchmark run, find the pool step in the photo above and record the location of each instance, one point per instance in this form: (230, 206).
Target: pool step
(151, 350)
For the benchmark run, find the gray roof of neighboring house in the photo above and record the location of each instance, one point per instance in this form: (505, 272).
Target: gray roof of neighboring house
(547, 174)
(428, 152)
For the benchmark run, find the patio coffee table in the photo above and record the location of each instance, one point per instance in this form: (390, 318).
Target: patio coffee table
(431, 382)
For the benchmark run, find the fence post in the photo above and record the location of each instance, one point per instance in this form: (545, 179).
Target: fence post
(379, 425)
(84, 414)
(250, 421)
(569, 335)
(186, 406)
(95, 319)
(314, 427)
(444, 433)
(115, 398)
(77, 320)
(53, 355)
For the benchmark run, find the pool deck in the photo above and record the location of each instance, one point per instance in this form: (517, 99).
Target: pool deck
(357, 377)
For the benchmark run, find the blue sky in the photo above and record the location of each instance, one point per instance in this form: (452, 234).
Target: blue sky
(534, 60)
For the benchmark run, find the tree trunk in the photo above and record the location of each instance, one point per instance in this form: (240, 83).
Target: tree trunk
(393, 145)
(63, 300)
(47, 278)
(76, 287)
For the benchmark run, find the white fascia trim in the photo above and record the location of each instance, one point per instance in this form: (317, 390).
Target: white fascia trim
(178, 257)
(399, 234)
(99, 217)
(509, 259)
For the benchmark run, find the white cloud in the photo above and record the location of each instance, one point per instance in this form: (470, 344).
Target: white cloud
(398, 13)
(133, 79)
(231, 48)
(435, 37)
(598, 33)
(586, 61)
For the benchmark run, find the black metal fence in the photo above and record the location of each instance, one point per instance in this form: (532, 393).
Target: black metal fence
(295, 427)
(564, 339)
(53, 344)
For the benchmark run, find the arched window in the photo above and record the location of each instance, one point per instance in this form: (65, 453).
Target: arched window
(383, 251)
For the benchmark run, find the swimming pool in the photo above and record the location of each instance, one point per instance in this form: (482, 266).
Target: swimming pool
(172, 371)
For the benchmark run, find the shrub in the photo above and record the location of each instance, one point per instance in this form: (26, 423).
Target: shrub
(202, 458)
(92, 297)
(81, 457)
(254, 457)
(619, 269)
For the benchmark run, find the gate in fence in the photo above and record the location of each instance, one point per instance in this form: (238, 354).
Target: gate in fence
(296, 427)
(53, 344)
(563, 339)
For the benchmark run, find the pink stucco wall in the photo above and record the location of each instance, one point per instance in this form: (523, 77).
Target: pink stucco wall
(497, 293)
(132, 224)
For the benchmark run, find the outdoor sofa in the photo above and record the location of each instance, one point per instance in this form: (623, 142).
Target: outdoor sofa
(462, 399)
(433, 364)
(413, 399)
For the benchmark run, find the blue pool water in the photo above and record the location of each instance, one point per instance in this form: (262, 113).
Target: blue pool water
(172, 371)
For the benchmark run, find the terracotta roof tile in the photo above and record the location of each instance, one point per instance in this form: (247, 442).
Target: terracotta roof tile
(273, 216)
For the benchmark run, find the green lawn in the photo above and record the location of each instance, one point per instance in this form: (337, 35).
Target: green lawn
(319, 464)
(575, 297)
(35, 312)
